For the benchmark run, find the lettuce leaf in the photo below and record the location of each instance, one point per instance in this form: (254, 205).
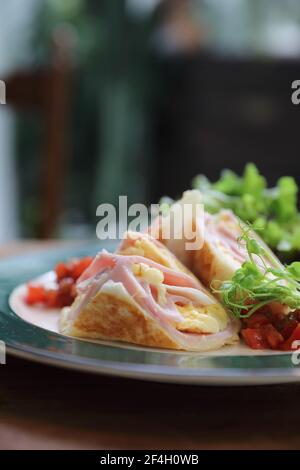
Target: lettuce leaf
(273, 210)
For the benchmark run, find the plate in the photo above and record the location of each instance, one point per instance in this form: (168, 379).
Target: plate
(232, 365)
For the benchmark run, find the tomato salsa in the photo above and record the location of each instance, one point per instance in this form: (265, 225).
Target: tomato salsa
(267, 330)
(64, 291)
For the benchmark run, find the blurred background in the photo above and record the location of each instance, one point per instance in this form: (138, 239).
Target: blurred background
(135, 97)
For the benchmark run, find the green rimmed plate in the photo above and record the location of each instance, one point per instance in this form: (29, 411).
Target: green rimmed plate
(233, 365)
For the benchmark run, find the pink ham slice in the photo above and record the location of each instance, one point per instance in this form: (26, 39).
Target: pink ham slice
(120, 271)
(104, 260)
(117, 268)
(218, 231)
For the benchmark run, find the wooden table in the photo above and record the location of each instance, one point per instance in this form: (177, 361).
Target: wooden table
(47, 408)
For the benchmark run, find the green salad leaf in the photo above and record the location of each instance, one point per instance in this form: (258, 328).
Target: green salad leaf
(260, 280)
(273, 210)
(285, 205)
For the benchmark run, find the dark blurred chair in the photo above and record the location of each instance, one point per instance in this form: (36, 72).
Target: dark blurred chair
(47, 91)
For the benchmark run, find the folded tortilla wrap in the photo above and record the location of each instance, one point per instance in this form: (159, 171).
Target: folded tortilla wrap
(221, 252)
(143, 295)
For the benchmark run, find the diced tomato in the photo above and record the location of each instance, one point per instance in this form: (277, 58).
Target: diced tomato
(64, 293)
(288, 344)
(288, 328)
(271, 335)
(63, 296)
(264, 336)
(62, 271)
(78, 267)
(254, 338)
(256, 320)
(51, 298)
(277, 335)
(35, 294)
(73, 268)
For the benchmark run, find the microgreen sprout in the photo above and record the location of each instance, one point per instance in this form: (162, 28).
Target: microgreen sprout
(261, 280)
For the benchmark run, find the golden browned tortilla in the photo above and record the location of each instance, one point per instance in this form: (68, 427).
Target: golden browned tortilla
(113, 314)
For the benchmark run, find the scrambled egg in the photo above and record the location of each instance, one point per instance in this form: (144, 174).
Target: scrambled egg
(153, 276)
(203, 319)
(207, 319)
(147, 249)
